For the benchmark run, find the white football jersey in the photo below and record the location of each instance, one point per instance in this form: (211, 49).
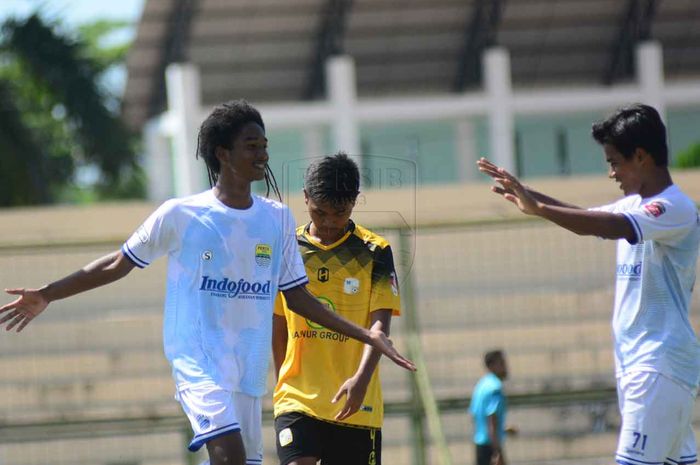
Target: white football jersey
(225, 267)
(655, 278)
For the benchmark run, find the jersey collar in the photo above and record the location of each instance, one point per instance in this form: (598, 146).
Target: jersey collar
(348, 231)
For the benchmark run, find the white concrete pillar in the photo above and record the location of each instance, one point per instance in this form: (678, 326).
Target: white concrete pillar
(158, 162)
(314, 147)
(184, 108)
(342, 94)
(496, 65)
(466, 150)
(650, 75)
(313, 142)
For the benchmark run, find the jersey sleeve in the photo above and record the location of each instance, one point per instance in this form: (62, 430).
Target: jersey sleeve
(619, 208)
(493, 402)
(662, 219)
(610, 208)
(154, 238)
(292, 273)
(385, 284)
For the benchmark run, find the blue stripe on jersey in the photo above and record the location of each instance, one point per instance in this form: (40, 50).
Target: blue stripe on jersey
(201, 439)
(635, 226)
(624, 462)
(633, 460)
(296, 282)
(133, 258)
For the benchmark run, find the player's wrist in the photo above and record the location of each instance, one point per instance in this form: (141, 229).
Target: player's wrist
(361, 379)
(45, 293)
(539, 208)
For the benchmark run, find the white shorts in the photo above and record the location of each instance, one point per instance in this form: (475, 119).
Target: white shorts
(214, 411)
(656, 421)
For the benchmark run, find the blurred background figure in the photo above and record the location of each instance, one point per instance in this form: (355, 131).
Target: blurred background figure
(488, 410)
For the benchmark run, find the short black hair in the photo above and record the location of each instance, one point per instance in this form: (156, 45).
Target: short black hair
(631, 127)
(492, 357)
(221, 128)
(334, 179)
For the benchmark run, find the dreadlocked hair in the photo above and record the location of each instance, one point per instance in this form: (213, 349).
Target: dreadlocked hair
(334, 179)
(220, 129)
(271, 182)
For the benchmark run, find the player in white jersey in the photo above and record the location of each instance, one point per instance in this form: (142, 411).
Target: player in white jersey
(657, 355)
(229, 252)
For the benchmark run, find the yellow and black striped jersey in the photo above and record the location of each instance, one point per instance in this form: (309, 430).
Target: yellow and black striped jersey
(354, 277)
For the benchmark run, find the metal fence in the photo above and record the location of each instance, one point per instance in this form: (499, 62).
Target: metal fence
(87, 384)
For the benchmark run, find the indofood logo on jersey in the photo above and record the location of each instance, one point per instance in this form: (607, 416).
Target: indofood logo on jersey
(232, 289)
(630, 271)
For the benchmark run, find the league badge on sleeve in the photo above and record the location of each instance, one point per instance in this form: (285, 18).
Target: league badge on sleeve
(655, 209)
(143, 234)
(394, 283)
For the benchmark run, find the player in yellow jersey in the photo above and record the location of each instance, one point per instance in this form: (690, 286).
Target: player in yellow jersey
(328, 401)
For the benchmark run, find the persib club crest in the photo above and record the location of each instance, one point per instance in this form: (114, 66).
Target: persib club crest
(263, 254)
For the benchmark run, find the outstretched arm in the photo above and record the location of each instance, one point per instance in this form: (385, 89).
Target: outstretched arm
(279, 341)
(31, 302)
(583, 222)
(355, 387)
(300, 301)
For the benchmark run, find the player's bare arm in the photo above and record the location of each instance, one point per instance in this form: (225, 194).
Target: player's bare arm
(589, 223)
(495, 441)
(583, 222)
(302, 302)
(31, 302)
(355, 388)
(279, 341)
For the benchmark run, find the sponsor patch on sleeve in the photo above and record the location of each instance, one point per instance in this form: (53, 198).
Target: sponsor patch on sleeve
(655, 209)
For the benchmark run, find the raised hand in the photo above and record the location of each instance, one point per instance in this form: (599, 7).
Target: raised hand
(23, 309)
(510, 187)
(355, 391)
(382, 343)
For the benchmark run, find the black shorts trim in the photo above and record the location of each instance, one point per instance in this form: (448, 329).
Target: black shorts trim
(301, 435)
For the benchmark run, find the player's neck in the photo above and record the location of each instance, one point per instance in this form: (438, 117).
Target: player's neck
(233, 194)
(656, 183)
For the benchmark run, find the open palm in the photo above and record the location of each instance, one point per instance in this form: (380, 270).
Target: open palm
(23, 309)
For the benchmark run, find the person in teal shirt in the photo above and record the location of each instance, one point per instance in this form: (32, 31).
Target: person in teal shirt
(488, 409)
